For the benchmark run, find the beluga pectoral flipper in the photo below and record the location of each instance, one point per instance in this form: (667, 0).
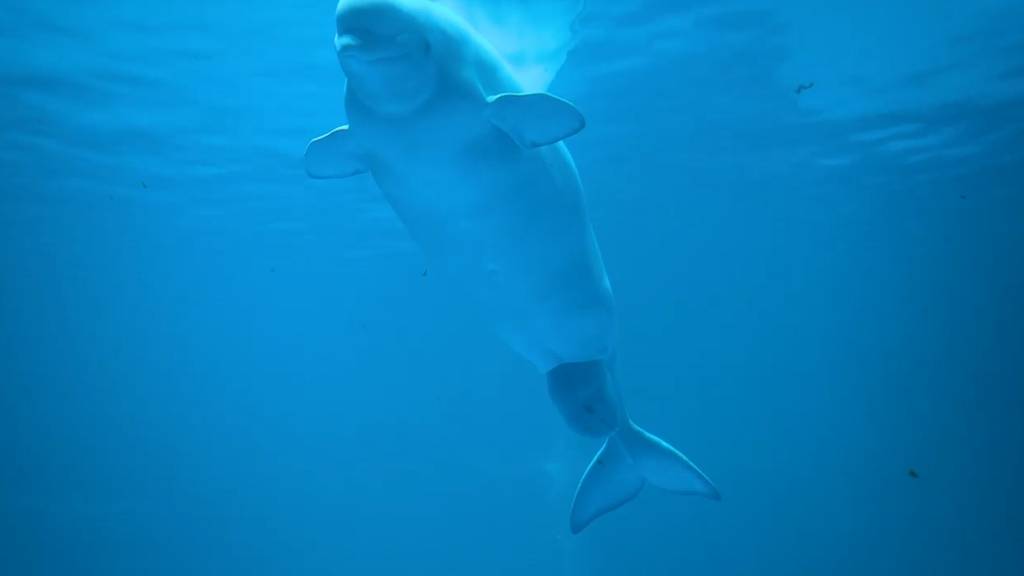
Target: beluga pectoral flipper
(334, 155)
(477, 170)
(533, 120)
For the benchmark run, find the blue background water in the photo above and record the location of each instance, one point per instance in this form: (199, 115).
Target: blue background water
(210, 364)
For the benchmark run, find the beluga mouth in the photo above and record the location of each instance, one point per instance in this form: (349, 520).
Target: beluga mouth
(374, 48)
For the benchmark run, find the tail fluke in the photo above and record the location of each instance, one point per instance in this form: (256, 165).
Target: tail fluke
(610, 481)
(629, 459)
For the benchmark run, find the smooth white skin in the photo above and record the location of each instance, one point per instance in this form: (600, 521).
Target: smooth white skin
(507, 224)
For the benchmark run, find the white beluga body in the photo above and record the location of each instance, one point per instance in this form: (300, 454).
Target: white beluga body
(477, 172)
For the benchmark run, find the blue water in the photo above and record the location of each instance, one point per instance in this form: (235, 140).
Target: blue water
(211, 364)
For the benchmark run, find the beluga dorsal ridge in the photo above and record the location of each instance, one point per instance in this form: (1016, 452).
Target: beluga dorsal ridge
(476, 169)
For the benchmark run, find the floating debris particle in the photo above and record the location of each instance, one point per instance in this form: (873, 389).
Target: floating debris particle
(801, 88)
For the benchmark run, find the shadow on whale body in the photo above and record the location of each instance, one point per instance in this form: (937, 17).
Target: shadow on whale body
(478, 173)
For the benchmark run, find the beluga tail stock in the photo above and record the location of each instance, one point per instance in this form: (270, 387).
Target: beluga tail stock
(477, 171)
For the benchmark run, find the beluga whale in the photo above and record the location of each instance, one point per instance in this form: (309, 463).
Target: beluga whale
(476, 169)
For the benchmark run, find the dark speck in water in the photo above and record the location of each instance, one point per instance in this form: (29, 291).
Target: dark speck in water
(912, 473)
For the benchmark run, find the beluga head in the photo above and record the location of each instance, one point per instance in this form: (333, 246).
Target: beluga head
(387, 50)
